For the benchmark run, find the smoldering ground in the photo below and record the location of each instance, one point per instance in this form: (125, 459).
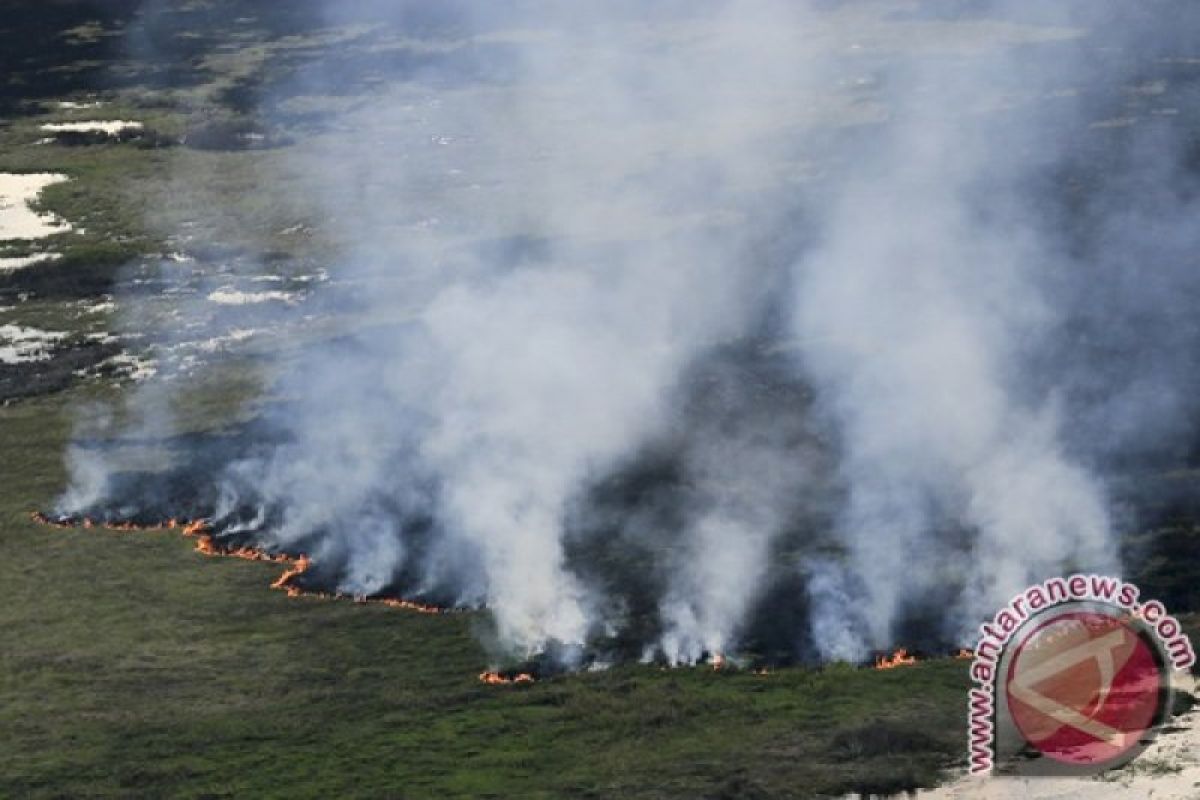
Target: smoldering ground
(676, 330)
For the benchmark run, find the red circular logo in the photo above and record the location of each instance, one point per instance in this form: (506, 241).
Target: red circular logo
(1084, 687)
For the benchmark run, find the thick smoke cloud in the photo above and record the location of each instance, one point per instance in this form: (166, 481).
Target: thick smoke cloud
(820, 263)
(915, 315)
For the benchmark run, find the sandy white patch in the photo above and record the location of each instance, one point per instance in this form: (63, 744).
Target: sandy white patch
(1169, 769)
(17, 219)
(11, 264)
(73, 105)
(111, 127)
(228, 296)
(19, 344)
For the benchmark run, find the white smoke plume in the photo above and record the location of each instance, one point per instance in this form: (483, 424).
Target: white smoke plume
(519, 379)
(925, 317)
(911, 317)
(557, 229)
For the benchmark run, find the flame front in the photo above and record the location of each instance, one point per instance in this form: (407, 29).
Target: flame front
(285, 581)
(208, 544)
(897, 659)
(497, 679)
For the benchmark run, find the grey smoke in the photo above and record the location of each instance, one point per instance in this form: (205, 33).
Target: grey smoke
(912, 316)
(554, 218)
(514, 384)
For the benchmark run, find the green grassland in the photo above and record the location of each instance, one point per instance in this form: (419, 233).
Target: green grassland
(131, 666)
(134, 667)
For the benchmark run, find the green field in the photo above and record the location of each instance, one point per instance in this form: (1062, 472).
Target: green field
(131, 666)
(134, 667)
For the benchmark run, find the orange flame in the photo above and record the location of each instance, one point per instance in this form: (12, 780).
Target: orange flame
(408, 605)
(496, 679)
(111, 525)
(897, 659)
(42, 519)
(284, 581)
(964, 654)
(207, 544)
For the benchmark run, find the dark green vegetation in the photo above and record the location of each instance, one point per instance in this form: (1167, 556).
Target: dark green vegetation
(132, 666)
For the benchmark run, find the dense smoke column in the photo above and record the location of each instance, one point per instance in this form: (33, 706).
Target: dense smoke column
(544, 231)
(975, 327)
(572, 258)
(912, 316)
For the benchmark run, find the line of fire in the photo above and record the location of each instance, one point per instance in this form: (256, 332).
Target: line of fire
(296, 566)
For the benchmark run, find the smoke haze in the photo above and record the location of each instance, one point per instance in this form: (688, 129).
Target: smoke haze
(672, 330)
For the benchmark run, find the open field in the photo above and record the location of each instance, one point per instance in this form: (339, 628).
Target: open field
(134, 667)
(131, 666)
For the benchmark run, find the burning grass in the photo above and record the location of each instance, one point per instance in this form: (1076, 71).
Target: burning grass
(493, 678)
(900, 658)
(208, 543)
(290, 581)
(172, 681)
(126, 671)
